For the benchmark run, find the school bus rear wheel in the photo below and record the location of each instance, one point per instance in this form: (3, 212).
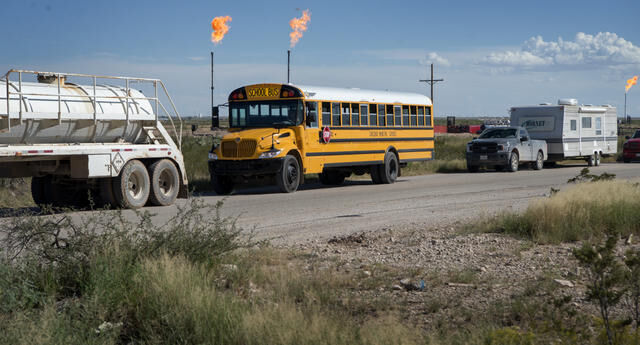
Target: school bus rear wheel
(390, 170)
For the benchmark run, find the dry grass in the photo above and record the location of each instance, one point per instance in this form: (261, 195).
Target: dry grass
(580, 212)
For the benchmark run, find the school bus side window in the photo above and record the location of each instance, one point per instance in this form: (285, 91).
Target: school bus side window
(420, 116)
(428, 115)
(381, 120)
(364, 114)
(397, 115)
(312, 114)
(346, 114)
(335, 113)
(373, 117)
(326, 114)
(389, 115)
(355, 114)
(405, 115)
(414, 116)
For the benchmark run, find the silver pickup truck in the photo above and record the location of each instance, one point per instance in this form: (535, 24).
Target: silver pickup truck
(505, 147)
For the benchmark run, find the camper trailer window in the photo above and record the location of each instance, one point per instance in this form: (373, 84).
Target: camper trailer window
(586, 122)
(574, 125)
(598, 126)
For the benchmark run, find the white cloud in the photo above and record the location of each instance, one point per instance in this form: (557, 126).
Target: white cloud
(586, 51)
(434, 58)
(421, 56)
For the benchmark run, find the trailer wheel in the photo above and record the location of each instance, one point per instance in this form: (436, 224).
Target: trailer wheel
(165, 183)
(591, 161)
(539, 164)
(390, 170)
(38, 189)
(597, 158)
(375, 174)
(131, 188)
(222, 185)
(288, 178)
(514, 161)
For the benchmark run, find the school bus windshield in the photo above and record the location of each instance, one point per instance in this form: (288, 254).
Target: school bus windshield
(265, 113)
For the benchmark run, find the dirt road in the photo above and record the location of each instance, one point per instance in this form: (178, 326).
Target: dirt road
(320, 212)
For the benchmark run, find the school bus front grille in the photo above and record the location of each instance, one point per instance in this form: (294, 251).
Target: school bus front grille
(243, 149)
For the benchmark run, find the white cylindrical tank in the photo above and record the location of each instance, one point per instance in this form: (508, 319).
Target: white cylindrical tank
(40, 108)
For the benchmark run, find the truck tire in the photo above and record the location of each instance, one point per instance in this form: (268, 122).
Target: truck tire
(131, 188)
(539, 163)
(222, 185)
(288, 178)
(332, 178)
(38, 190)
(514, 161)
(165, 183)
(375, 174)
(597, 159)
(390, 170)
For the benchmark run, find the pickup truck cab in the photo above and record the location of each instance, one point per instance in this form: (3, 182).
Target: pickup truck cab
(505, 148)
(631, 149)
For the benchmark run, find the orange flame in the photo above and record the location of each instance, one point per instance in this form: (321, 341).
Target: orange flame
(299, 25)
(220, 28)
(630, 83)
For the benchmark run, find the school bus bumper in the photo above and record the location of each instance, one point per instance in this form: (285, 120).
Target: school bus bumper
(253, 167)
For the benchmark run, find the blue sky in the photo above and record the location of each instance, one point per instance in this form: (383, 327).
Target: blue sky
(492, 55)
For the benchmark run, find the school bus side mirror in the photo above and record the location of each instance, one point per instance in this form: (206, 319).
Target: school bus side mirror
(215, 117)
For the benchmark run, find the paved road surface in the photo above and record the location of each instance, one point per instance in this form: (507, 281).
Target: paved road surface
(319, 212)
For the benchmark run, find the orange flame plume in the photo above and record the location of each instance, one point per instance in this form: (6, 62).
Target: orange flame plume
(299, 25)
(630, 83)
(220, 28)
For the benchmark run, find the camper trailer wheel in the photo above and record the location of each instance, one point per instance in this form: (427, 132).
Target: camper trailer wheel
(514, 161)
(591, 161)
(597, 162)
(131, 188)
(539, 163)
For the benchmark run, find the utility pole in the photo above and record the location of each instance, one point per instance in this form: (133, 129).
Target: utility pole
(431, 82)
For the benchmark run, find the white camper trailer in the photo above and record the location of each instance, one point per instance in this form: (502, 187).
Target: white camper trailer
(571, 131)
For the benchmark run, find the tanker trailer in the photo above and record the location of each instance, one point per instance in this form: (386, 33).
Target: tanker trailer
(95, 142)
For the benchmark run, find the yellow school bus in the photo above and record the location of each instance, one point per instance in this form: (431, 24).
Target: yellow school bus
(284, 131)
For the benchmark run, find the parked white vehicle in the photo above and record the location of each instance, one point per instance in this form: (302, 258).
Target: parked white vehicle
(95, 140)
(571, 131)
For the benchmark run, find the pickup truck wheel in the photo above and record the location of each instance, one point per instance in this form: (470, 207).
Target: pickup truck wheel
(288, 178)
(539, 164)
(222, 185)
(390, 170)
(131, 188)
(514, 161)
(165, 183)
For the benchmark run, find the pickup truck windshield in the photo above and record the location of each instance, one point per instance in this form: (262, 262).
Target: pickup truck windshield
(499, 133)
(265, 113)
(636, 134)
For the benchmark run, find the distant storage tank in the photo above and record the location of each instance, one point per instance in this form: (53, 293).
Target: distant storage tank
(567, 101)
(42, 124)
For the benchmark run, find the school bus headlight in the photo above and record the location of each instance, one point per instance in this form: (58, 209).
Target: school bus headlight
(212, 156)
(270, 154)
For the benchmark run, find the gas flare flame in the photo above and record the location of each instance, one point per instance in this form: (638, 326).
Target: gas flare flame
(220, 28)
(630, 83)
(299, 25)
